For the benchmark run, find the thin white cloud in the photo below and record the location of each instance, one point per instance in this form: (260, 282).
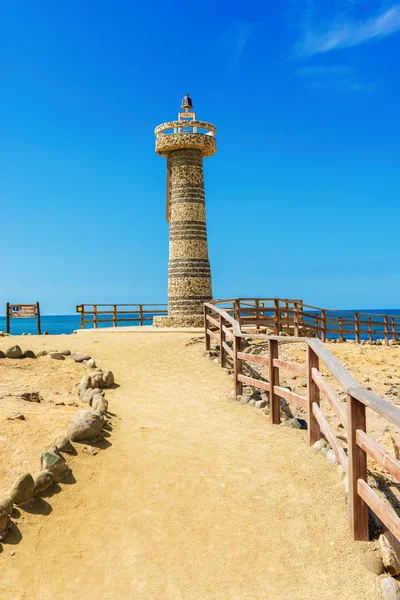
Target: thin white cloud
(350, 33)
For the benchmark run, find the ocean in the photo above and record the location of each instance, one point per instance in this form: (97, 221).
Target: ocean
(58, 324)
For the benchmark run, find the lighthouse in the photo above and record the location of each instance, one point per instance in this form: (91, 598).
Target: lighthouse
(184, 143)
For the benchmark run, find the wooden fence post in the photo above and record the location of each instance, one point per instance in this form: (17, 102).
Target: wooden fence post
(323, 332)
(341, 327)
(237, 365)
(370, 334)
(222, 338)
(275, 405)
(141, 314)
(83, 317)
(313, 428)
(208, 338)
(357, 469)
(393, 328)
(114, 315)
(277, 314)
(357, 326)
(8, 317)
(95, 315)
(386, 326)
(257, 310)
(236, 306)
(38, 318)
(295, 319)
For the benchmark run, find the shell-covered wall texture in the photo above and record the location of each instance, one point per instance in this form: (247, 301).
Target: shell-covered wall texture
(189, 275)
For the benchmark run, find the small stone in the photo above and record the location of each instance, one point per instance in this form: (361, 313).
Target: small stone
(66, 352)
(387, 588)
(318, 445)
(90, 364)
(14, 352)
(390, 548)
(331, 457)
(55, 356)
(13, 553)
(16, 416)
(295, 423)
(43, 481)
(100, 403)
(86, 425)
(84, 384)
(45, 333)
(96, 381)
(4, 523)
(59, 403)
(31, 397)
(324, 451)
(216, 361)
(252, 402)
(243, 399)
(41, 353)
(64, 445)
(90, 450)
(28, 354)
(79, 358)
(54, 463)
(22, 489)
(260, 404)
(373, 562)
(2, 355)
(108, 379)
(89, 395)
(6, 504)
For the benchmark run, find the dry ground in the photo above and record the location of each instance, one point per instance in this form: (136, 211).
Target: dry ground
(196, 498)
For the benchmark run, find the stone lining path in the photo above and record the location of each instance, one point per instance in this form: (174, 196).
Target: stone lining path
(197, 498)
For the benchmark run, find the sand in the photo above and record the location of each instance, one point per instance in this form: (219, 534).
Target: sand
(196, 497)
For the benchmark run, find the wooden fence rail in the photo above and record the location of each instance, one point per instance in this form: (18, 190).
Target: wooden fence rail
(97, 314)
(293, 317)
(224, 326)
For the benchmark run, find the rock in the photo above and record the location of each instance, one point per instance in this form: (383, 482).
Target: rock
(90, 450)
(16, 416)
(31, 397)
(59, 403)
(28, 354)
(84, 384)
(90, 364)
(390, 548)
(373, 562)
(295, 423)
(285, 408)
(244, 399)
(260, 404)
(64, 445)
(22, 489)
(50, 461)
(331, 457)
(66, 352)
(43, 481)
(45, 333)
(7, 504)
(318, 445)
(216, 361)
(387, 588)
(252, 402)
(79, 358)
(90, 394)
(2, 355)
(108, 379)
(86, 425)
(100, 403)
(14, 352)
(41, 353)
(4, 523)
(98, 412)
(96, 381)
(324, 451)
(56, 356)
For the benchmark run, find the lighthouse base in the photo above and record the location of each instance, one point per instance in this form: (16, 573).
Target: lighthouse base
(179, 321)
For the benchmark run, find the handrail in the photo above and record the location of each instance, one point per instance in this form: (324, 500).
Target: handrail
(354, 463)
(137, 314)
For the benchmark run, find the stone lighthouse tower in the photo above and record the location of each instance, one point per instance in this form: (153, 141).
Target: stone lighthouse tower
(184, 143)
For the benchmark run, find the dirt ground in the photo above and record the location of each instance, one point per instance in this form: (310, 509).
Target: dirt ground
(196, 497)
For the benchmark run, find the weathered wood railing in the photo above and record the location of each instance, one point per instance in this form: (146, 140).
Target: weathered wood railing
(97, 314)
(296, 318)
(226, 332)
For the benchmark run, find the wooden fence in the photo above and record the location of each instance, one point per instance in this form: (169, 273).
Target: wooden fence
(96, 314)
(226, 331)
(293, 317)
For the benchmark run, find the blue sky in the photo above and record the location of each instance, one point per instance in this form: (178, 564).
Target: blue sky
(302, 196)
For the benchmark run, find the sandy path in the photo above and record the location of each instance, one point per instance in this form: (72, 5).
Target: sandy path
(197, 498)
